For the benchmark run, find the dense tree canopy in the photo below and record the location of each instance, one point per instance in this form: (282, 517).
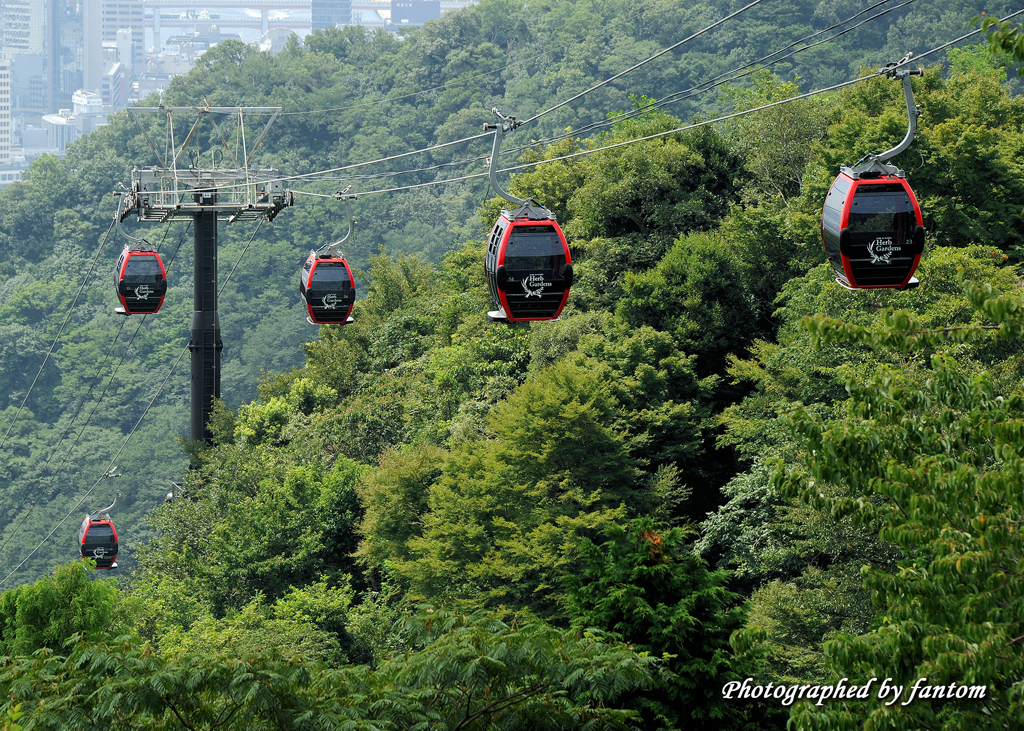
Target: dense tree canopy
(426, 519)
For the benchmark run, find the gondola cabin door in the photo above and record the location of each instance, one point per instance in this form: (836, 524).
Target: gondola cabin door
(97, 539)
(872, 231)
(141, 282)
(528, 267)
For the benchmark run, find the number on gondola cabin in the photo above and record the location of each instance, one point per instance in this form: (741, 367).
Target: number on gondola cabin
(97, 539)
(141, 281)
(871, 224)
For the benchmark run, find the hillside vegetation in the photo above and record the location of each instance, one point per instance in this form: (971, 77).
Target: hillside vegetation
(716, 465)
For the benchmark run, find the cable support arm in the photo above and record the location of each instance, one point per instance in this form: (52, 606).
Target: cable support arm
(913, 111)
(506, 124)
(347, 197)
(110, 474)
(876, 164)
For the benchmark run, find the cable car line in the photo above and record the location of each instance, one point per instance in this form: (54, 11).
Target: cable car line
(684, 128)
(67, 317)
(713, 83)
(312, 175)
(109, 467)
(67, 455)
(724, 78)
(126, 439)
(239, 259)
(736, 73)
(699, 90)
(964, 37)
(580, 153)
(674, 46)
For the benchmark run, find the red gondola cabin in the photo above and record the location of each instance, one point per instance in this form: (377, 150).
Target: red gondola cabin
(97, 540)
(872, 231)
(141, 282)
(328, 289)
(528, 266)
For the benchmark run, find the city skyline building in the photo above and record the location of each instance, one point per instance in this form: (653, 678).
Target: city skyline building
(5, 112)
(329, 13)
(405, 13)
(101, 20)
(22, 25)
(30, 38)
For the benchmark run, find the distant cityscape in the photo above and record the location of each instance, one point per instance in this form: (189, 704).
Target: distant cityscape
(65, 65)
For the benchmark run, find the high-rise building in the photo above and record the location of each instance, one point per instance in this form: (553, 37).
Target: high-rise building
(5, 112)
(60, 130)
(22, 23)
(101, 20)
(30, 39)
(405, 13)
(329, 13)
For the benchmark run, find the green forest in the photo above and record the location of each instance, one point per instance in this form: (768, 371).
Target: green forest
(718, 470)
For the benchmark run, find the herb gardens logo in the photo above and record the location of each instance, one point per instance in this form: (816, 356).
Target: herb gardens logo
(881, 249)
(534, 285)
(330, 301)
(888, 692)
(143, 291)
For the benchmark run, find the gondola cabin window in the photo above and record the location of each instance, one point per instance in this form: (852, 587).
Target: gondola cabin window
(535, 248)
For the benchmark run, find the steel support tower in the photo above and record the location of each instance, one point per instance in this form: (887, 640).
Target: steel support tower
(205, 196)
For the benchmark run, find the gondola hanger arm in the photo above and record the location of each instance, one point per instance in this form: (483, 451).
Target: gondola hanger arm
(894, 71)
(111, 474)
(876, 163)
(342, 195)
(506, 124)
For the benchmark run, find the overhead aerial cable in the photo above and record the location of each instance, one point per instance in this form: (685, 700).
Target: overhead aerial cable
(871, 224)
(692, 92)
(239, 259)
(580, 153)
(328, 171)
(67, 317)
(727, 77)
(326, 284)
(124, 444)
(527, 261)
(701, 88)
(92, 412)
(389, 158)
